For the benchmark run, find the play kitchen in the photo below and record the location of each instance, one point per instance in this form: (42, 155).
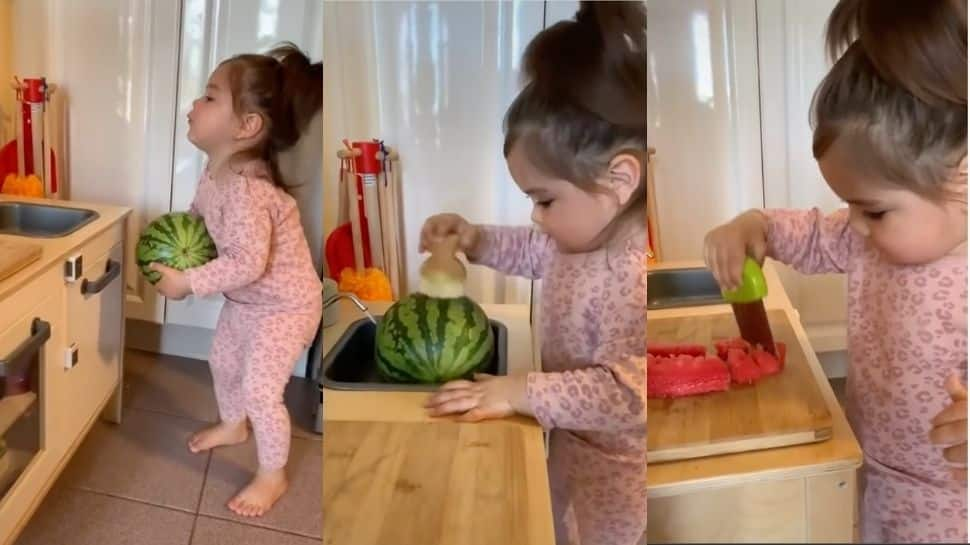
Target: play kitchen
(732, 424)
(61, 331)
(388, 466)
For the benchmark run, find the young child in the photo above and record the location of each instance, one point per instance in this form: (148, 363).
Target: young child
(255, 106)
(576, 145)
(890, 138)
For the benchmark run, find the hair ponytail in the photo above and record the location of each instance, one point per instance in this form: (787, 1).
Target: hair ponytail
(597, 60)
(919, 46)
(285, 88)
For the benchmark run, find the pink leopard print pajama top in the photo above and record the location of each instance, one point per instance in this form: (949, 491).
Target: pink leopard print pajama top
(907, 334)
(273, 300)
(591, 391)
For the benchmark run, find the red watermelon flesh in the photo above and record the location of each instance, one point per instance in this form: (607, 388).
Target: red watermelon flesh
(671, 349)
(725, 345)
(685, 375)
(743, 368)
(769, 364)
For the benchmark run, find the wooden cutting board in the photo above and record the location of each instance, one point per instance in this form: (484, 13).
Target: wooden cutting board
(438, 483)
(15, 255)
(781, 410)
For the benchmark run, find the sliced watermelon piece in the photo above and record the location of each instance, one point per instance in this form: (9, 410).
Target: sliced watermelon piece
(743, 368)
(685, 375)
(671, 349)
(768, 364)
(725, 345)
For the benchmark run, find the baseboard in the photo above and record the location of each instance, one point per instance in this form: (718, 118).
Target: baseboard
(184, 341)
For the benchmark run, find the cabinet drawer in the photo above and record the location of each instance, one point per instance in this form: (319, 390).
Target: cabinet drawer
(95, 307)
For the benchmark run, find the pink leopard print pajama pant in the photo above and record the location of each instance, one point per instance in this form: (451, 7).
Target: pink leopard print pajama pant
(252, 359)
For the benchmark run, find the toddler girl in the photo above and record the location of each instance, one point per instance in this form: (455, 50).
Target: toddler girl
(890, 138)
(254, 107)
(576, 145)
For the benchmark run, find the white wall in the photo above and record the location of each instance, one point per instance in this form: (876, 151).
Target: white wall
(433, 80)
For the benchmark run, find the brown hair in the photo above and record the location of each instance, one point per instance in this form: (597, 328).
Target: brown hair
(898, 92)
(585, 99)
(285, 89)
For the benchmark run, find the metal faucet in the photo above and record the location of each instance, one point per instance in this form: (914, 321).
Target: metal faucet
(353, 298)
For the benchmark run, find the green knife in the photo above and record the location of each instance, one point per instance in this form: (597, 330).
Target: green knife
(747, 301)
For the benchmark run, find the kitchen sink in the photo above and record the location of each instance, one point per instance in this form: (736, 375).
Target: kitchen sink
(675, 288)
(350, 364)
(42, 220)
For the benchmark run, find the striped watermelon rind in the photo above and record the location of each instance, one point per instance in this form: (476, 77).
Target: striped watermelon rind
(178, 239)
(428, 340)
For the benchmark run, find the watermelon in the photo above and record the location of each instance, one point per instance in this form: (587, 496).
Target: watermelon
(670, 349)
(744, 369)
(431, 340)
(179, 240)
(685, 375)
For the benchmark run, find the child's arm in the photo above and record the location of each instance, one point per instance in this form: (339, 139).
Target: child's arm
(519, 251)
(243, 257)
(808, 240)
(607, 397)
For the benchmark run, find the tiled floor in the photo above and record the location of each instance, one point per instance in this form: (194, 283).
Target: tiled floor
(136, 483)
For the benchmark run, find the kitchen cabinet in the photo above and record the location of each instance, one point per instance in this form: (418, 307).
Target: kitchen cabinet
(78, 367)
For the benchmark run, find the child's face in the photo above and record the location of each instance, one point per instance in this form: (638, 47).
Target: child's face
(908, 228)
(212, 121)
(572, 217)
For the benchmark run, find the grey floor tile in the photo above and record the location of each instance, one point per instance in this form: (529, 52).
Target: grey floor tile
(79, 517)
(170, 384)
(144, 458)
(210, 531)
(299, 511)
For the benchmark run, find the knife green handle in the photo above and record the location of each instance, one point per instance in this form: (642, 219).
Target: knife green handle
(753, 286)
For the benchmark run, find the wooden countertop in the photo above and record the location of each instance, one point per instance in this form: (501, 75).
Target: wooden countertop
(394, 474)
(842, 451)
(55, 249)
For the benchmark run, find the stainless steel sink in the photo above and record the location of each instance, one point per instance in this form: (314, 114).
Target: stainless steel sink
(675, 288)
(42, 220)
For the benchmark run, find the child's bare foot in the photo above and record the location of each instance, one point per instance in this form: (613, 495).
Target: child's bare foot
(260, 494)
(222, 434)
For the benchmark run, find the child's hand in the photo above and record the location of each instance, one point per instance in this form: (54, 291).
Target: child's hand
(726, 246)
(174, 284)
(486, 398)
(950, 428)
(441, 226)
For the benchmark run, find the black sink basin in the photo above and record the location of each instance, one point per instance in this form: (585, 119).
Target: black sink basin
(675, 288)
(350, 363)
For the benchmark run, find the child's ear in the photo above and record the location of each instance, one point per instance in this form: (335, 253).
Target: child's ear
(250, 126)
(624, 176)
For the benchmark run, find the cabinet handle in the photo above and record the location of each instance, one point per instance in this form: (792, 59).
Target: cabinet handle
(13, 364)
(112, 271)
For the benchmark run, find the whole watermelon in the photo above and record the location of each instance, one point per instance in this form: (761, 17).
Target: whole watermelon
(428, 340)
(179, 240)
